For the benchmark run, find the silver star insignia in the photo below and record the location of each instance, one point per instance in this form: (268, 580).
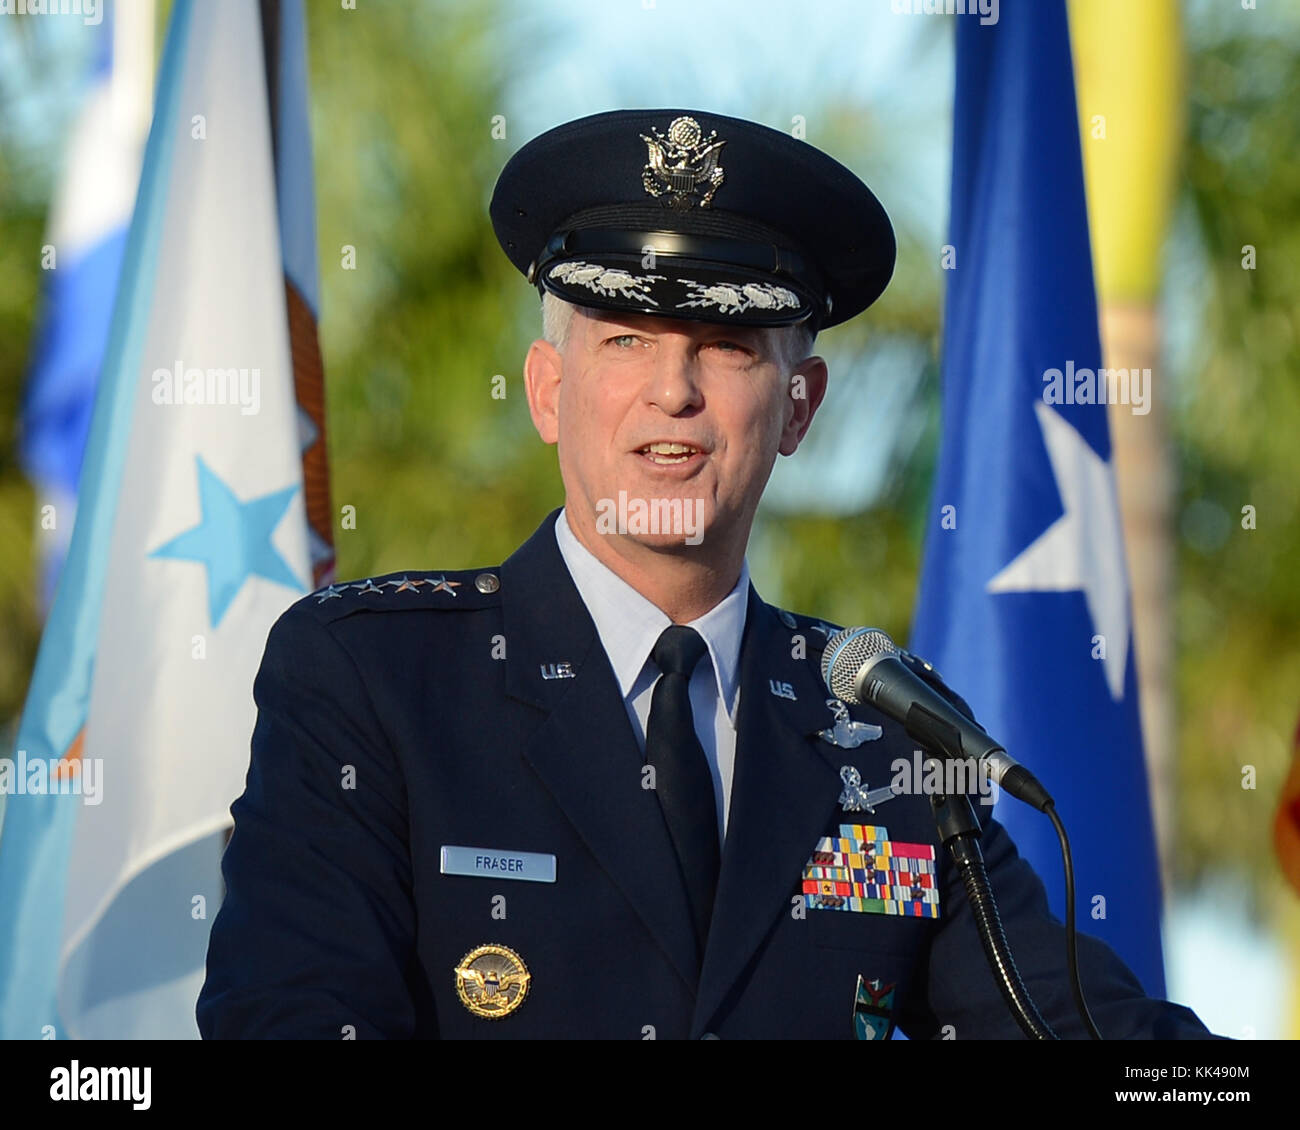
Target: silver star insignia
(404, 585)
(441, 584)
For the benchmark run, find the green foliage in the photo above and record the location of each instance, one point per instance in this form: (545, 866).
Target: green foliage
(21, 226)
(1238, 597)
(813, 555)
(441, 473)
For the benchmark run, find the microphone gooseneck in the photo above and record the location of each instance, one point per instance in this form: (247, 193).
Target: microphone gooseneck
(862, 666)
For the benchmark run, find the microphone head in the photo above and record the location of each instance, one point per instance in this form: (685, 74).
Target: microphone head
(846, 652)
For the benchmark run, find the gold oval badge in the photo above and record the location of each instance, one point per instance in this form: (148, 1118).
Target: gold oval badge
(492, 981)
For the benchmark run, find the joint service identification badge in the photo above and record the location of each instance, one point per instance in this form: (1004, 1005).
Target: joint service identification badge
(492, 981)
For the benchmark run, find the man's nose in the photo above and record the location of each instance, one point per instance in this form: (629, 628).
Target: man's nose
(674, 386)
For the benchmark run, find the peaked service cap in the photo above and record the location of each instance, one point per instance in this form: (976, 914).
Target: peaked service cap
(688, 214)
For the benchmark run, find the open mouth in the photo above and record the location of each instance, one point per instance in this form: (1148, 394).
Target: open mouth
(669, 454)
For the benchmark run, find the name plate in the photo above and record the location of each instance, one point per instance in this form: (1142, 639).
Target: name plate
(495, 863)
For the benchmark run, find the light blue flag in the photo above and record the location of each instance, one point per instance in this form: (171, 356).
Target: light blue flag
(191, 537)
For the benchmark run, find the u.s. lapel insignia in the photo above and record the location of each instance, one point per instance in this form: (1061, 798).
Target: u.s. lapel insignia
(873, 1010)
(855, 797)
(846, 733)
(782, 689)
(558, 671)
(492, 981)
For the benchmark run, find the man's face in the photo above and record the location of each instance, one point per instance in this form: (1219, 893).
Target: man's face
(625, 385)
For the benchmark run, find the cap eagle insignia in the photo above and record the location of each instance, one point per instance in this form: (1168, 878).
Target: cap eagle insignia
(683, 164)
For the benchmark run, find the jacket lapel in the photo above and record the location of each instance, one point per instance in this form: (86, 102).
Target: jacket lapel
(785, 789)
(584, 751)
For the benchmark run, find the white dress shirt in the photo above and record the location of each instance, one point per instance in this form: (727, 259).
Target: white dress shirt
(629, 625)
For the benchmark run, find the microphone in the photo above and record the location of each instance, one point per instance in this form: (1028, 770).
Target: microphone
(862, 666)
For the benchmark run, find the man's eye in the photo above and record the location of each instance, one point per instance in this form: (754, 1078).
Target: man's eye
(623, 341)
(729, 346)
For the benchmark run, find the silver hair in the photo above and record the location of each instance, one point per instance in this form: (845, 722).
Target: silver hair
(557, 317)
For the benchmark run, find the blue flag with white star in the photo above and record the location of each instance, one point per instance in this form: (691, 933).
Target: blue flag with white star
(192, 535)
(1023, 604)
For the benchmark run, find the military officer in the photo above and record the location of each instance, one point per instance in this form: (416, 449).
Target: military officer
(601, 790)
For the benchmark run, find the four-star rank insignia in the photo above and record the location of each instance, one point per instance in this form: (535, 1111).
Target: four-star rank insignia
(683, 165)
(492, 981)
(402, 584)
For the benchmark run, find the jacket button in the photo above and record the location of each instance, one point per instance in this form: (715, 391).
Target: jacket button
(710, 1036)
(487, 582)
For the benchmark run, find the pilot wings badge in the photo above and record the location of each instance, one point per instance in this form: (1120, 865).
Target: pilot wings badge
(683, 164)
(846, 733)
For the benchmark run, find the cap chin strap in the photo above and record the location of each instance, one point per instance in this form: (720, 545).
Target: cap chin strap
(769, 258)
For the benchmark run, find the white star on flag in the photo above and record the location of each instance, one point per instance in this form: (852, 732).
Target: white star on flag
(1084, 548)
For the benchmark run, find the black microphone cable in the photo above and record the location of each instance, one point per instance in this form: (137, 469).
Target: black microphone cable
(1071, 935)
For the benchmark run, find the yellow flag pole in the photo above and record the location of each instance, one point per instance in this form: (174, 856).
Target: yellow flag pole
(1130, 79)
(1128, 61)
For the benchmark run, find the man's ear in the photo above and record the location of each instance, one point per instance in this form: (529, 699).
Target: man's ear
(806, 391)
(542, 369)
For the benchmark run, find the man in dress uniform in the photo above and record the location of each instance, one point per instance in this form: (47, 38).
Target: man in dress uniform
(601, 790)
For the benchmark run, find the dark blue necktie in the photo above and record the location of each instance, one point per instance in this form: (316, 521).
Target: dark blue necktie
(683, 782)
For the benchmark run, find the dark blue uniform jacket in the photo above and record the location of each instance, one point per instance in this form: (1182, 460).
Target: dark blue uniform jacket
(396, 718)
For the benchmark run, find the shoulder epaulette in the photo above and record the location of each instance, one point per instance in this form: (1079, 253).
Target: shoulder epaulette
(922, 667)
(819, 630)
(455, 590)
(926, 670)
